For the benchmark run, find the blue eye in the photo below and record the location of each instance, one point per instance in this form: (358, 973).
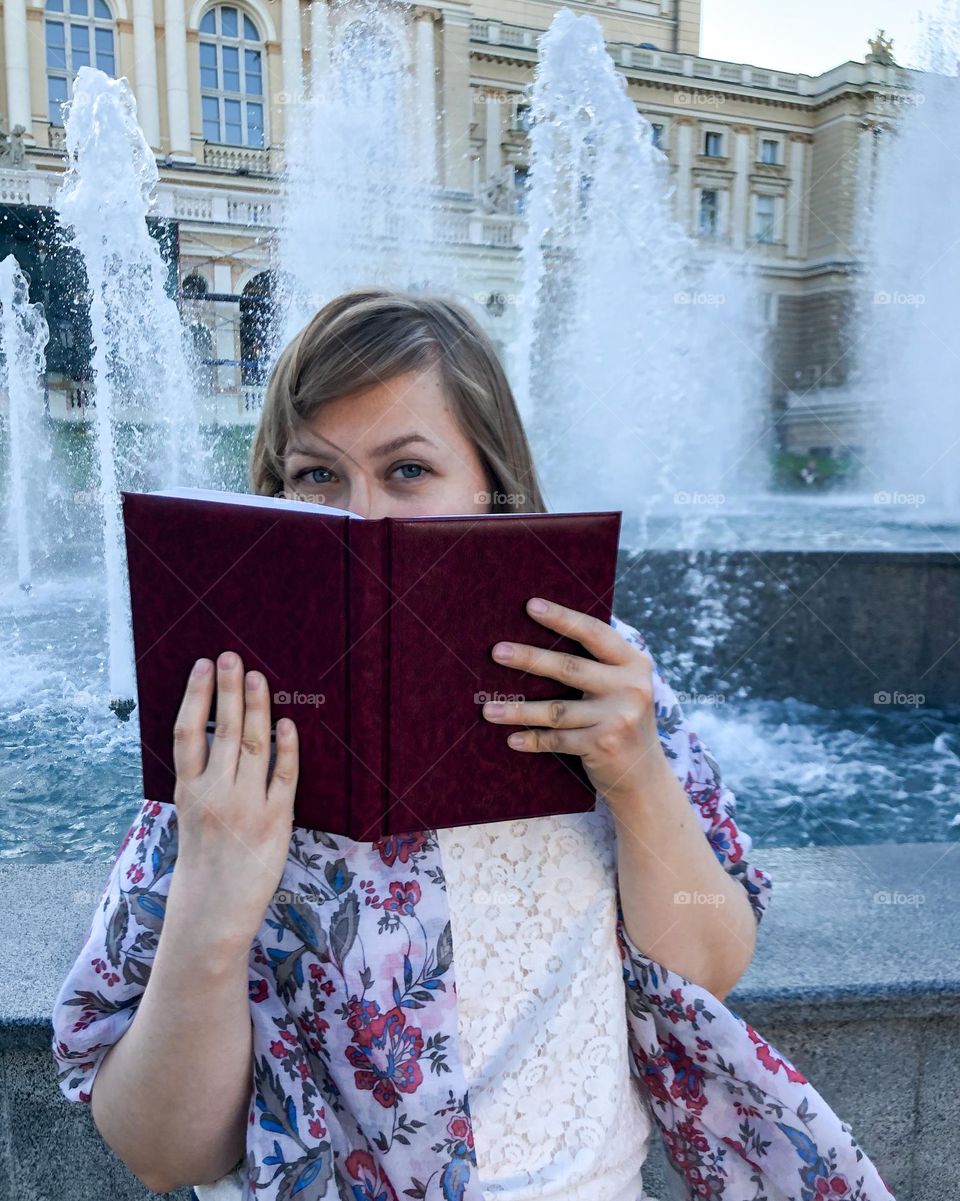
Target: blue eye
(309, 472)
(416, 466)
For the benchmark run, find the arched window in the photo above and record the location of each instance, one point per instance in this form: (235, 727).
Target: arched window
(231, 77)
(79, 33)
(256, 327)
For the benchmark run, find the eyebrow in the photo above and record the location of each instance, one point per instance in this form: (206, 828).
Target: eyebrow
(379, 452)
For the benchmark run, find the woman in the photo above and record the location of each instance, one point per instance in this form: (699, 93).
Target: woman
(504, 1010)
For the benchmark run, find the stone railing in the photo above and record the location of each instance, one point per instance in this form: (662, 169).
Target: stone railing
(245, 159)
(863, 997)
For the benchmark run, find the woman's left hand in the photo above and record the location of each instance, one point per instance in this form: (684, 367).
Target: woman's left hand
(613, 728)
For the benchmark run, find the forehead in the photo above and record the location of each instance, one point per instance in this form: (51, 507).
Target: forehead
(413, 402)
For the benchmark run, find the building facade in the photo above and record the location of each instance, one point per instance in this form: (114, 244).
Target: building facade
(767, 164)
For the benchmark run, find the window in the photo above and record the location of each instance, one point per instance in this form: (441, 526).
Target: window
(231, 78)
(713, 144)
(769, 151)
(522, 120)
(709, 223)
(656, 135)
(521, 181)
(766, 214)
(78, 33)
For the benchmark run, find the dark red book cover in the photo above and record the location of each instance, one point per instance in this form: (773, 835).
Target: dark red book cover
(375, 638)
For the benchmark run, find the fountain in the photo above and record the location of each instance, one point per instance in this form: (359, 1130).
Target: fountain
(358, 191)
(907, 335)
(633, 366)
(23, 336)
(140, 355)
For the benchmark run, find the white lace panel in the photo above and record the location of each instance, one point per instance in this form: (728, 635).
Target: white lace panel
(541, 1011)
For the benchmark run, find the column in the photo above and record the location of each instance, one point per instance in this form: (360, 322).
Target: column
(796, 202)
(291, 50)
(17, 65)
(145, 71)
(684, 129)
(319, 45)
(456, 107)
(492, 150)
(178, 85)
(426, 91)
(740, 218)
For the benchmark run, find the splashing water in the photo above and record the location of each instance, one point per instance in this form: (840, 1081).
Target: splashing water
(139, 357)
(632, 365)
(23, 338)
(357, 206)
(909, 379)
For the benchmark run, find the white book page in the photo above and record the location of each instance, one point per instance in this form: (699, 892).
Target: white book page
(254, 501)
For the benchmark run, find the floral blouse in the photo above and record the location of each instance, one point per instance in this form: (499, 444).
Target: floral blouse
(358, 1084)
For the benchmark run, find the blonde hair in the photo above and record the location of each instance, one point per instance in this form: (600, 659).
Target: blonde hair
(367, 336)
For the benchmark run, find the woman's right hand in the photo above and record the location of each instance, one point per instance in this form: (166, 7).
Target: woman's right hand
(234, 825)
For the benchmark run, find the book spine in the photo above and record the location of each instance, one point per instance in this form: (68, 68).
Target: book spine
(368, 665)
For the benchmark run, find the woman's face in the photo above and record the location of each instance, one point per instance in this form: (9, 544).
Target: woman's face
(392, 451)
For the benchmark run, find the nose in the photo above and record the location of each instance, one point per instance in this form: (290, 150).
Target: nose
(368, 499)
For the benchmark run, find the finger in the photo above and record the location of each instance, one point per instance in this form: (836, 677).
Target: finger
(556, 714)
(598, 637)
(585, 674)
(286, 767)
(190, 727)
(225, 748)
(557, 742)
(255, 739)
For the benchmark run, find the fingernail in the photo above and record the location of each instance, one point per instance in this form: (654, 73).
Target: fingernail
(537, 605)
(494, 708)
(254, 680)
(227, 659)
(503, 650)
(201, 667)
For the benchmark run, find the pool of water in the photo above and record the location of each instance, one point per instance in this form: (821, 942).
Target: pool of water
(802, 775)
(830, 521)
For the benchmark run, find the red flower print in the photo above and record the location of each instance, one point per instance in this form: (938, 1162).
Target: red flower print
(374, 1185)
(773, 1062)
(687, 1076)
(362, 1014)
(834, 1188)
(258, 990)
(459, 1128)
(317, 1128)
(386, 1061)
(278, 1049)
(402, 897)
(399, 846)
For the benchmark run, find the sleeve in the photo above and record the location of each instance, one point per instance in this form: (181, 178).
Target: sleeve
(735, 1116)
(98, 999)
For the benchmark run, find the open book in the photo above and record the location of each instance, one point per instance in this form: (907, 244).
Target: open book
(375, 638)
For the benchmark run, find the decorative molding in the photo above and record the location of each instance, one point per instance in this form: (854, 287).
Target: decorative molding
(258, 9)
